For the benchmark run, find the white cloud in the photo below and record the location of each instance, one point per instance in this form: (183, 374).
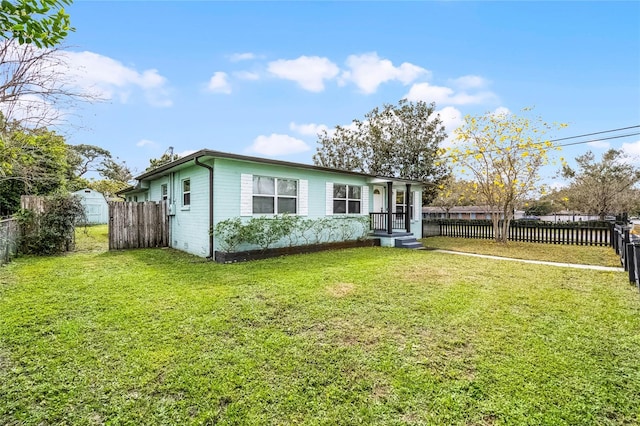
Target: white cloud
(442, 95)
(277, 144)
(219, 83)
(501, 111)
(309, 72)
(246, 75)
(632, 150)
(237, 57)
(599, 144)
(310, 129)
(108, 78)
(451, 119)
(470, 82)
(146, 142)
(368, 71)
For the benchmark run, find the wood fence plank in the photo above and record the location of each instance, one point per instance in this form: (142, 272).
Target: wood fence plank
(138, 225)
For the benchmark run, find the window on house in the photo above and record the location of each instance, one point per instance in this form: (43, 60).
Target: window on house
(346, 199)
(274, 195)
(401, 205)
(164, 193)
(401, 202)
(186, 192)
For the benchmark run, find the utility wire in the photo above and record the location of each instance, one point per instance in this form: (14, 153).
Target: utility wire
(595, 140)
(578, 136)
(596, 133)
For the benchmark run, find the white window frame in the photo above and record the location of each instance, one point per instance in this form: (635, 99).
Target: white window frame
(347, 199)
(406, 198)
(276, 196)
(164, 191)
(185, 193)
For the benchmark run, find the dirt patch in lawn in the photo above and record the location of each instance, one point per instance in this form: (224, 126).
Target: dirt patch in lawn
(340, 290)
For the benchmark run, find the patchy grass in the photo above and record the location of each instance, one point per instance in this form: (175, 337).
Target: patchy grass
(360, 336)
(94, 238)
(584, 255)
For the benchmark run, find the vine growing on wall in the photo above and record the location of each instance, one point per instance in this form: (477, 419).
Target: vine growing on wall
(264, 232)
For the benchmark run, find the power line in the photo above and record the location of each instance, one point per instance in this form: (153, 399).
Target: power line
(596, 140)
(575, 137)
(596, 133)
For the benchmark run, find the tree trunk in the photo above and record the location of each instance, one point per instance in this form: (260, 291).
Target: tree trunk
(497, 231)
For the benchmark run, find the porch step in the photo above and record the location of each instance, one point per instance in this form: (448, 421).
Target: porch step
(408, 243)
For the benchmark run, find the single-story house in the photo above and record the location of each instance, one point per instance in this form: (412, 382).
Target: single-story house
(95, 206)
(207, 187)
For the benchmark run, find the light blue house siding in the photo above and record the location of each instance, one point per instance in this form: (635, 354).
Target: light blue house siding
(189, 205)
(95, 206)
(188, 224)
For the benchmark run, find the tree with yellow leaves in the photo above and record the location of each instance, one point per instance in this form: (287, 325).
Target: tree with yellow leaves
(503, 154)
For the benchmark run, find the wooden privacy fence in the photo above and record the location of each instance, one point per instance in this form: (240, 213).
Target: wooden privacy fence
(536, 232)
(138, 225)
(9, 235)
(34, 203)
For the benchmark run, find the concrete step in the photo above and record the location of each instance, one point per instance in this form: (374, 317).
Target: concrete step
(408, 243)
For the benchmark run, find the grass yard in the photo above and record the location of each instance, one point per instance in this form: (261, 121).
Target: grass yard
(585, 255)
(359, 336)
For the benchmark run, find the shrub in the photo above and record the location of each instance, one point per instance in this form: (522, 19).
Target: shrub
(53, 230)
(229, 233)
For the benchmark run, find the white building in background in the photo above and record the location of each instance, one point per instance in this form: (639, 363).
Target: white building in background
(95, 206)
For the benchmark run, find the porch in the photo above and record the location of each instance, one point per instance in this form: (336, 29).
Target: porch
(393, 230)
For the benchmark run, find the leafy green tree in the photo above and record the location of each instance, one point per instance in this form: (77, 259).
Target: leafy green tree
(603, 187)
(115, 171)
(39, 162)
(167, 157)
(116, 177)
(33, 162)
(43, 23)
(539, 208)
(400, 140)
(503, 155)
(84, 158)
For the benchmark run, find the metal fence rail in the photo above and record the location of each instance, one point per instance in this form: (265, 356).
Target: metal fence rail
(627, 246)
(535, 232)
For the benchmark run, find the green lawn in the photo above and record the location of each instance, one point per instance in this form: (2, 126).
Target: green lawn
(360, 336)
(585, 255)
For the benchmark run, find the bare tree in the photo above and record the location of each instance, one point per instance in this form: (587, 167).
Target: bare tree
(36, 86)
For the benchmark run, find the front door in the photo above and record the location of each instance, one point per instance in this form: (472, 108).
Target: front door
(378, 199)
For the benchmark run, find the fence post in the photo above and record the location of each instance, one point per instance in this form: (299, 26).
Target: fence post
(633, 258)
(629, 263)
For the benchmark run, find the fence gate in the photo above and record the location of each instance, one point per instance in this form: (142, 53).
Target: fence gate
(138, 225)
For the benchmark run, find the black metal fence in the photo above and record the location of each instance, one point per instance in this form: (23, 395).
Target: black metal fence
(574, 233)
(379, 221)
(627, 246)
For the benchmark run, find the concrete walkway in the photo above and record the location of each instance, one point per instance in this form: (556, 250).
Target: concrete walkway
(537, 262)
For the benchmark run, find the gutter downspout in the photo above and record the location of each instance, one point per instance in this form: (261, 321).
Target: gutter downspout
(198, 163)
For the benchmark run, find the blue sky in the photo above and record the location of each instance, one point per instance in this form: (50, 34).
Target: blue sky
(260, 78)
